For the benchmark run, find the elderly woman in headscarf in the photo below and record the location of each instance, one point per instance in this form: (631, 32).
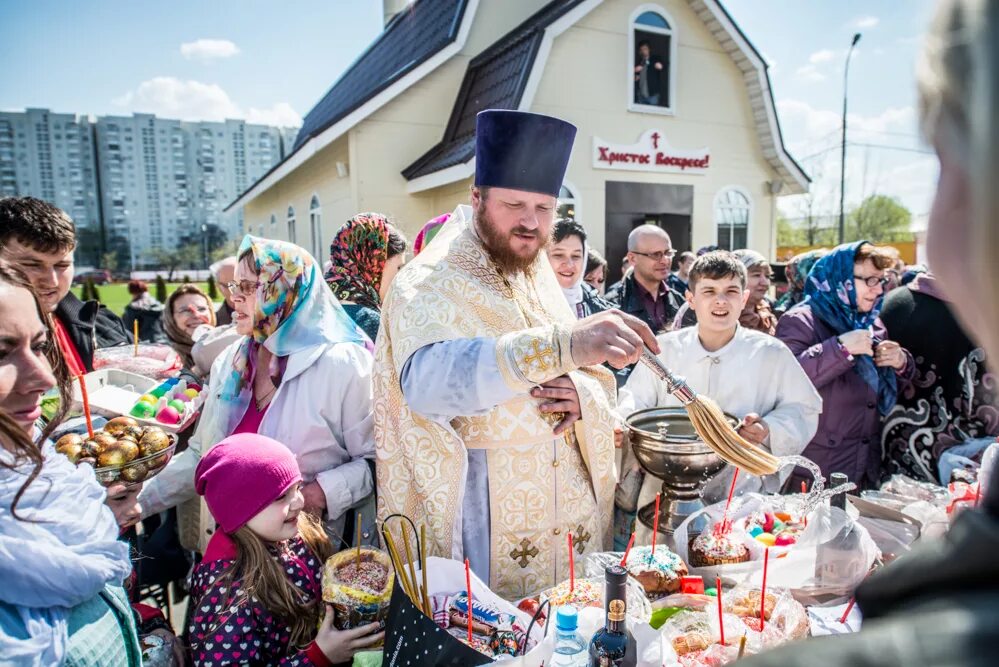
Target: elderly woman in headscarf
(300, 374)
(842, 344)
(757, 313)
(186, 310)
(796, 272)
(365, 255)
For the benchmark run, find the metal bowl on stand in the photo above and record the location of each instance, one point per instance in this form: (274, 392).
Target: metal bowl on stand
(668, 448)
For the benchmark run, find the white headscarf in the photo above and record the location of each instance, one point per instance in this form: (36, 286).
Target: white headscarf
(60, 551)
(574, 294)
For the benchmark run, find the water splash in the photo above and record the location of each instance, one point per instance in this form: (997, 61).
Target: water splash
(818, 493)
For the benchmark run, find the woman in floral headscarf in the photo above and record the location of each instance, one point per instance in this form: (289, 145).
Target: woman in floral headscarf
(365, 255)
(797, 271)
(841, 343)
(300, 375)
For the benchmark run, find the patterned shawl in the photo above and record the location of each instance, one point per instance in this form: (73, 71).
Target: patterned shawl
(832, 297)
(797, 272)
(293, 312)
(357, 259)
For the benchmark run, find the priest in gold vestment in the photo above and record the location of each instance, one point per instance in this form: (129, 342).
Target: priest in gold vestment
(493, 417)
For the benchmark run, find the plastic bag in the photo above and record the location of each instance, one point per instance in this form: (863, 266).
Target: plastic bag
(153, 360)
(413, 639)
(829, 557)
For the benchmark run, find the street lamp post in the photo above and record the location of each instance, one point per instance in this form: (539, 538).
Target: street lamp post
(842, 163)
(204, 243)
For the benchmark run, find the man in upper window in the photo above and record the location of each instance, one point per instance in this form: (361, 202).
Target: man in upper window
(39, 239)
(644, 292)
(648, 76)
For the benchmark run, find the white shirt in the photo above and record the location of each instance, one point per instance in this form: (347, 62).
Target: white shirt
(754, 373)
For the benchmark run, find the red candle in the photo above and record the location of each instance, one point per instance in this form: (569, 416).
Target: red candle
(627, 550)
(721, 622)
(731, 492)
(763, 591)
(572, 566)
(804, 486)
(468, 587)
(655, 529)
(86, 404)
(849, 608)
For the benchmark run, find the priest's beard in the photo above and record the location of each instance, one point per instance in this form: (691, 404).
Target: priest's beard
(498, 244)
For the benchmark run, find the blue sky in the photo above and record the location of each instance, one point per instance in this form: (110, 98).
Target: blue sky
(270, 61)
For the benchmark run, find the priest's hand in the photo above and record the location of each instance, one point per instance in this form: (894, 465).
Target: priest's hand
(754, 429)
(611, 336)
(561, 397)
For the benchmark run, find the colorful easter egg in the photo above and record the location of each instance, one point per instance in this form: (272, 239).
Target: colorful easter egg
(768, 539)
(143, 410)
(168, 415)
(191, 393)
(784, 540)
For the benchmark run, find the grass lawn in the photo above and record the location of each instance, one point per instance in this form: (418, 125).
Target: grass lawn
(115, 296)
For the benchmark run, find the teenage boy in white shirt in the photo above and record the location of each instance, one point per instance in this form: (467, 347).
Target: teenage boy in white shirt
(753, 377)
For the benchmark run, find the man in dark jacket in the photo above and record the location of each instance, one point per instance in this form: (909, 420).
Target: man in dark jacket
(39, 239)
(649, 88)
(644, 292)
(937, 606)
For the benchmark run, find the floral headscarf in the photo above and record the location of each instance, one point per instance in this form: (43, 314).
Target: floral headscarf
(294, 311)
(831, 294)
(428, 232)
(797, 272)
(357, 259)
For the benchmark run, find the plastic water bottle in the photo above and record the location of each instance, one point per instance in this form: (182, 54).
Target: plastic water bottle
(570, 648)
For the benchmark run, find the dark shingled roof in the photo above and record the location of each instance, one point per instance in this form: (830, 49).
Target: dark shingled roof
(409, 39)
(495, 79)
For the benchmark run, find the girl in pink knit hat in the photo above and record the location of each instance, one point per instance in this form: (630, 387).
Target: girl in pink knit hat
(256, 596)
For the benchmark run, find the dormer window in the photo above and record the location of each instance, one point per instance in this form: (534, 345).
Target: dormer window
(653, 52)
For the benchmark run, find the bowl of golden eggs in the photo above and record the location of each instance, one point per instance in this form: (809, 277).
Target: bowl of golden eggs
(123, 451)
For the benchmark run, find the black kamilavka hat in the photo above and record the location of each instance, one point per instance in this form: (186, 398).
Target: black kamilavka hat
(522, 151)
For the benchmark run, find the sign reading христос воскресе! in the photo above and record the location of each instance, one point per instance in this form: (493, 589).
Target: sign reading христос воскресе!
(649, 153)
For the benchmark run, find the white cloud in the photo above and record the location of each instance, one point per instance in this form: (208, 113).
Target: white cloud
(170, 97)
(809, 74)
(866, 22)
(823, 56)
(208, 49)
(281, 115)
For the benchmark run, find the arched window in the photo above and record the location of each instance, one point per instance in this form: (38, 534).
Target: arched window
(567, 204)
(316, 226)
(651, 60)
(732, 209)
(291, 224)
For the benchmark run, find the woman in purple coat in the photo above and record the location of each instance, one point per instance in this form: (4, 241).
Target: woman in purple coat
(842, 345)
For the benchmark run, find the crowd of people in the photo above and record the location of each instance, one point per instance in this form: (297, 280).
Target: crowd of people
(486, 381)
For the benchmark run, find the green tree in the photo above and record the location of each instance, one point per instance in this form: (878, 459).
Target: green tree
(109, 261)
(787, 234)
(161, 289)
(879, 219)
(213, 292)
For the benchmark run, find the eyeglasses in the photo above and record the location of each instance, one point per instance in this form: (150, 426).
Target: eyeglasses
(657, 256)
(243, 287)
(873, 281)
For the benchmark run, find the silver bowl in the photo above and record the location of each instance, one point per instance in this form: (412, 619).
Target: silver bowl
(668, 448)
(675, 454)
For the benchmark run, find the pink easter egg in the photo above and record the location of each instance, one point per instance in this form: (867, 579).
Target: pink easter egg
(168, 415)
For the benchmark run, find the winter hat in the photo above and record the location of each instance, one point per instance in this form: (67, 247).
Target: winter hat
(242, 475)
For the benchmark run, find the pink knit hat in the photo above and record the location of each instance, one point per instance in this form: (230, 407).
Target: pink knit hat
(242, 475)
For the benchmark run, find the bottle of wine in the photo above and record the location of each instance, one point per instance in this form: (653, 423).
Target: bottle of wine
(839, 500)
(609, 646)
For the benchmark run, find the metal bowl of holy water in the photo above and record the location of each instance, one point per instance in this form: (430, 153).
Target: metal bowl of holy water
(668, 448)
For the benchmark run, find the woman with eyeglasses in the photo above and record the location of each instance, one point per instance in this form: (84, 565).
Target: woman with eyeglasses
(300, 373)
(841, 343)
(187, 310)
